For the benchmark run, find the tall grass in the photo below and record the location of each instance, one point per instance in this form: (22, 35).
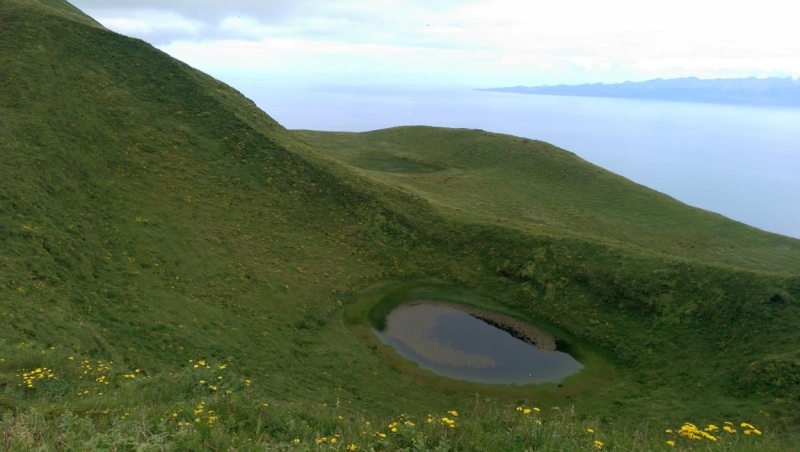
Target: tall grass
(241, 423)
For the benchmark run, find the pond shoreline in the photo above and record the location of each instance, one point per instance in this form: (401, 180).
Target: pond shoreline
(517, 328)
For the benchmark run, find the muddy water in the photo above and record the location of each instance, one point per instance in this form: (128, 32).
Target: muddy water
(466, 344)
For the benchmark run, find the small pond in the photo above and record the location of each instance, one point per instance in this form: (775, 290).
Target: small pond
(474, 345)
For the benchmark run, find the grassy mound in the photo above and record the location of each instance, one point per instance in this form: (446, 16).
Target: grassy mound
(534, 186)
(163, 243)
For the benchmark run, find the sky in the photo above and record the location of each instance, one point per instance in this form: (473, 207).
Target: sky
(467, 43)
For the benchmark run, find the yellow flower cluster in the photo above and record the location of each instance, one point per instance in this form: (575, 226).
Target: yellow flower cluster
(98, 373)
(40, 373)
(212, 386)
(203, 363)
(180, 423)
(749, 429)
(527, 411)
(333, 440)
(597, 443)
(691, 431)
(201, 415)
(524, 410)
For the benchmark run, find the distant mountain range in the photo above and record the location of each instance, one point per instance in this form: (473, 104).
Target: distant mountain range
(748, 91)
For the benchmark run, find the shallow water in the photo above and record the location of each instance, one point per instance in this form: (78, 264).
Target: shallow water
(452, 343)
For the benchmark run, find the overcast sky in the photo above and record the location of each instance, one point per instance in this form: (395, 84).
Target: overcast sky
(476, 43)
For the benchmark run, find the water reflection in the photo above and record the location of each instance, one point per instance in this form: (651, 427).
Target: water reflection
(446, 340)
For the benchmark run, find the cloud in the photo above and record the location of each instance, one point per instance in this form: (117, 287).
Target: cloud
(153, 23)
(479, 41)
(206, 11)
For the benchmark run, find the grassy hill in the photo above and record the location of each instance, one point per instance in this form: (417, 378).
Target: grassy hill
(163, 243)
(534, 186)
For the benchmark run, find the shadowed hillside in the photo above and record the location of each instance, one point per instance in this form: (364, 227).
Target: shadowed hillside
(178, 271)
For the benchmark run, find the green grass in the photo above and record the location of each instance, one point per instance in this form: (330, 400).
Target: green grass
(151, 215)
(395, 165)
(536, 187)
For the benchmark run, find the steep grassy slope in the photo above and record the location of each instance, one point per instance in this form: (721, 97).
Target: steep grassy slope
(150, 215)
(535, 186)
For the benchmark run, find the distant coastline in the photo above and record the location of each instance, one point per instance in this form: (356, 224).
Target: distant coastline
(772, 91)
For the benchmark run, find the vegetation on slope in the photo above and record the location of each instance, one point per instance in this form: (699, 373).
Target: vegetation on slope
(537, 187)
(150, 215)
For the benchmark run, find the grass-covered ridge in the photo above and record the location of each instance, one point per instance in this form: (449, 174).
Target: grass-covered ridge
(151, 215)
(537, 187)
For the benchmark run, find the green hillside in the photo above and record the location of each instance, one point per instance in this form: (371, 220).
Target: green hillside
(534, 186)
(167, 249)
